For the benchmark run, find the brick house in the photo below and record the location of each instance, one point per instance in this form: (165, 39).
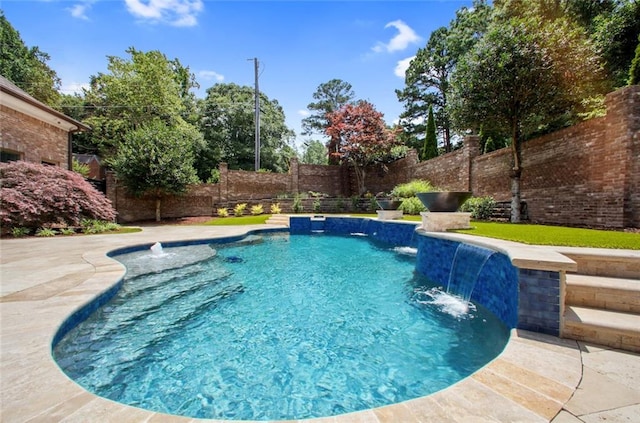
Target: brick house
(32, 131)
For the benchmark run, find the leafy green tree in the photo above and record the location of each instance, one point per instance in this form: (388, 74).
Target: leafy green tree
(315, 152)
(634, 71)
(523, 74)
(430, 149)
(362, 138)
(616, 36)
(329, 97)
(427, 81)
(27, 67)
(157, 160)
(134, 92)
(228, 127)
(613, 25)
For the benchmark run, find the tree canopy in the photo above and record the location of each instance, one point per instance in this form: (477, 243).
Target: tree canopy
(27, 67)
(228, 127)
(427, 80)
(524, 74)
(157, 159)
(362, 138)
(330, 96)
(136, 91)
(315, 152)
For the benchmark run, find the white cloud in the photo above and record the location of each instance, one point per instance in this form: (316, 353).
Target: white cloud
(405, 37)
(172, 12)
(402, 66)
(74, 87)
(80, 10)
(304, 113)
(209, 75)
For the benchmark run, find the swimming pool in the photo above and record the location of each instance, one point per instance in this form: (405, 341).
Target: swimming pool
(318, 357)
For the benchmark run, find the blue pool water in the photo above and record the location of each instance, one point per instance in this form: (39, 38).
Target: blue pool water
(277, 327)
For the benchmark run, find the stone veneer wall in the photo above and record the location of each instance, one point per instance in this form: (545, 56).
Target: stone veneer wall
(34, 140)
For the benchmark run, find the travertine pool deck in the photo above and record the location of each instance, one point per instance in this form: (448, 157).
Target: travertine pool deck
(537, 378)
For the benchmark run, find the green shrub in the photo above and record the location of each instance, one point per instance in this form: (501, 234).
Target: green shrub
(275, 208)
(479, 207)
(93, 226)
(373, 204)
(223, 212)
(45, 232)
(257, 210)
(340, 204)
(354, 202)
(239, 209)
(412, 206)
(316, 205)
(67, 231)
(215, 176)
(81, 168)
(111, 226)
(409, 189)
(20, 231)
(297, 204)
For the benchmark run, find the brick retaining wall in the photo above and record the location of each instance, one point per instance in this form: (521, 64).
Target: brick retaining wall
(585, 175)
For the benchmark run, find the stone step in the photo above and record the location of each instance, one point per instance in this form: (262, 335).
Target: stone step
(611, 328)
(278, 219)
(614, 294)
(604, 262)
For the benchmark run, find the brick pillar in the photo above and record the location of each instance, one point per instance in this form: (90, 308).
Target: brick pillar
(623, 131)
(111, 188)
(223, 183)
(294, 171)
(618, 159)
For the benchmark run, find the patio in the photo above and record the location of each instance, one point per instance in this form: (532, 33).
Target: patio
(537, 378)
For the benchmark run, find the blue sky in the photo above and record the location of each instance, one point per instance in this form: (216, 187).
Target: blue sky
(300, 44)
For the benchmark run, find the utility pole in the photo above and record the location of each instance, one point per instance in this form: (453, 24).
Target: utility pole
(257, 112)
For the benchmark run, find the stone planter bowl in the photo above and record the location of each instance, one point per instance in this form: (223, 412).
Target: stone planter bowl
(443, 201)
(388, 204)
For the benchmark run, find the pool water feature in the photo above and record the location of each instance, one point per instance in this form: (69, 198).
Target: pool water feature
(275, 327)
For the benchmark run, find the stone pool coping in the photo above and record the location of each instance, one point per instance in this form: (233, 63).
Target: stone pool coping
(44, 280)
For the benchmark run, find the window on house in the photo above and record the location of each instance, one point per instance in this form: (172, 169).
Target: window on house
(46, 163)
(9, 156)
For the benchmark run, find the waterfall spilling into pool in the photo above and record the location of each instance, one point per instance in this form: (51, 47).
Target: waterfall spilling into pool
(468, 262)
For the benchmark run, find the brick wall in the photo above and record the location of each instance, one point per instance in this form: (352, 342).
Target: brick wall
(585, 175)
(35, 140)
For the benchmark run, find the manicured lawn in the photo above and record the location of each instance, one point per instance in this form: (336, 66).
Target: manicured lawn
(243, 220)
(524, 233)
(555, 235)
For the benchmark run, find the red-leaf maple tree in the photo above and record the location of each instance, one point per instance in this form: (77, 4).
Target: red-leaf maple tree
(361, 138)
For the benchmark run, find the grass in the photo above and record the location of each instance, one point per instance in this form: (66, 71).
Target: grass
(555, 235)
(243, 220)
(524, 233)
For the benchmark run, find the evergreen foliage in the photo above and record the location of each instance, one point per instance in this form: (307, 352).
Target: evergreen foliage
(27, 67)
(430, 149)
(634, 71)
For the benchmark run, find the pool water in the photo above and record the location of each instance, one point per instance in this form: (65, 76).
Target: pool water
(276, 327)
